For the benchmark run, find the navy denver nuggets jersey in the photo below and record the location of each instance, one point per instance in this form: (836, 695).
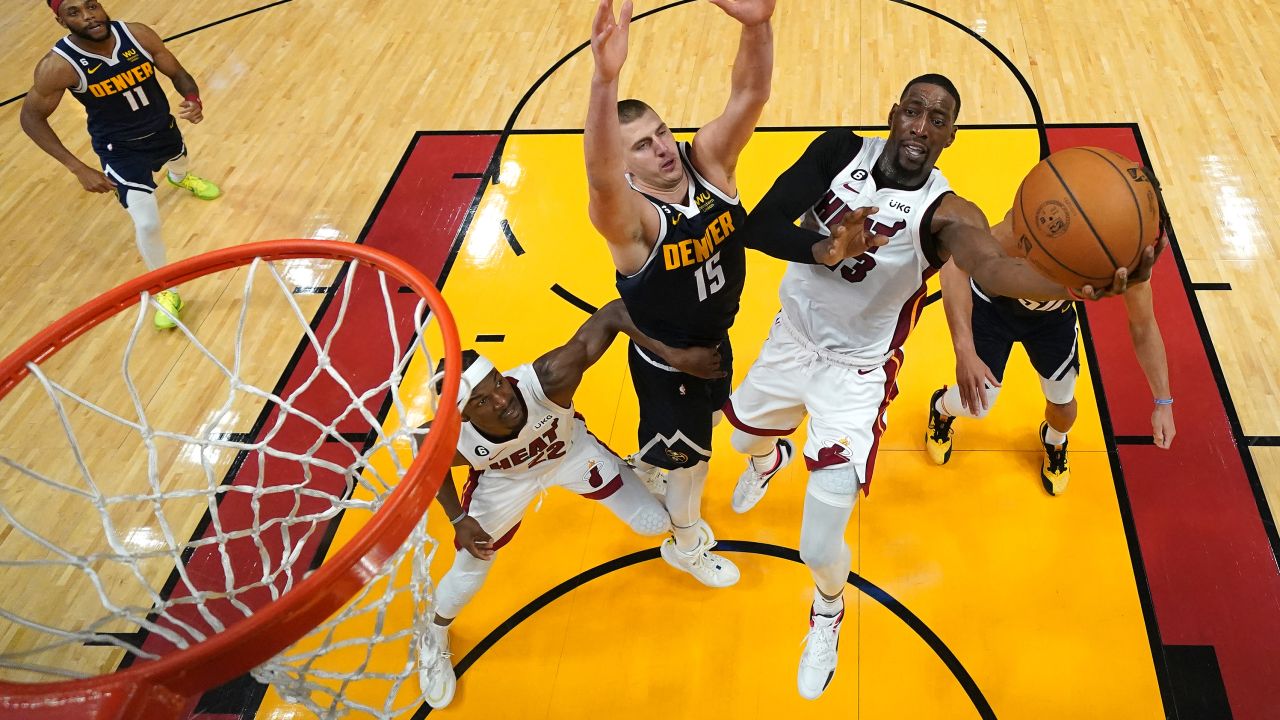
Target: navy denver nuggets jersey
(688, 290)
(120, 93)
(1017, 307)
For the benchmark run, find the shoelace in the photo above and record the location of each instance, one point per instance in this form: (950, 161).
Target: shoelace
(1057, 458)
(701, 559)
(941, 428)
(821, 642)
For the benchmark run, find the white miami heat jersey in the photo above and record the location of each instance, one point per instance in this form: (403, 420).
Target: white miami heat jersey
(547, 435)
(864, 307)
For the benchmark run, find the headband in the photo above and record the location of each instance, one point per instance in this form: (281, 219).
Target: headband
(55, 5)
(472, 377)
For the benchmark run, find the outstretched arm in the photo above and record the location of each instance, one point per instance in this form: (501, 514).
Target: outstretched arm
(963, 235)
(53, 77)
(560, 371)
(191, 109)
(1148, 345)
(718, 144)
(972, 375)
(625, 219)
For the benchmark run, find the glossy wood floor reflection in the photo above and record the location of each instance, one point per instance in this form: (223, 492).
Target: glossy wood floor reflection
(310, 107)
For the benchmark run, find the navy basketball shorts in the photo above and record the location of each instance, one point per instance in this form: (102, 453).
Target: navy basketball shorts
(676, 409)
(1050, 338)
(132, 164)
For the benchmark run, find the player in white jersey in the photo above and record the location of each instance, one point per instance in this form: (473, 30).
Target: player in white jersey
(879, 219)
(520, 436)
(983, 331)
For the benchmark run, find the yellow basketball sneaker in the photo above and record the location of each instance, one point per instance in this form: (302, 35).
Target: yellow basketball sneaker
(171, 301)
(938, 436)
(198, 186)
(1054, 471)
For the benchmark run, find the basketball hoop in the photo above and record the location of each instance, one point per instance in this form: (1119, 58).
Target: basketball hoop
(325, 448)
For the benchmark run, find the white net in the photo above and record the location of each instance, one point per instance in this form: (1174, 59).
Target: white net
(158, 486)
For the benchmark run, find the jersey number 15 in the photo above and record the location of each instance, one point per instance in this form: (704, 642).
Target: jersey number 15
(710, 277)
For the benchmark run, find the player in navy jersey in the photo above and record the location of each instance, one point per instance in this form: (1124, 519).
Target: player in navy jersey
(110, 68)
(671, 216)
(984, 328)
(877, 220)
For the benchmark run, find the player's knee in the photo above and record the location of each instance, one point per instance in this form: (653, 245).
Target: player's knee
(461, 583)
(836, 486)
(991, 395)
(749, 444)
(650, 520)
(1060, 392)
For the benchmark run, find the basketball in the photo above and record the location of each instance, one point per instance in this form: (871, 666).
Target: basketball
(1083, 213)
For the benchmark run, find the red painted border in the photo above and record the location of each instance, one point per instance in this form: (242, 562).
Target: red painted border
(1208, 559)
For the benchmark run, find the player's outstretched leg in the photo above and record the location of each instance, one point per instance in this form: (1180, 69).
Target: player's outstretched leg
(689, 547)
(436, 676)
(765, 459)
(179, 177)
(828, 503)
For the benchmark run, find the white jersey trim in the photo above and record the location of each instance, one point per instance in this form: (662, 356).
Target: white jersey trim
(683, 149)
(662, 235)
(645, 356)
(115, 52)
(133, 186)
(84, 79)
(670, 442)
(125, 29)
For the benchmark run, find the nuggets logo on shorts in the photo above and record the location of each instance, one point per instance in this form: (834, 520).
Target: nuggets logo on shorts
(677, 456)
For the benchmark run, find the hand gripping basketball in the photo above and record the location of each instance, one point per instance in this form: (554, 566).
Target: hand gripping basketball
(849, 238)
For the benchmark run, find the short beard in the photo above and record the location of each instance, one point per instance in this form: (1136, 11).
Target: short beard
(106, 25)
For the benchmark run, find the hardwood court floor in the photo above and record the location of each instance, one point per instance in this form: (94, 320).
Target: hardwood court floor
(311, 105)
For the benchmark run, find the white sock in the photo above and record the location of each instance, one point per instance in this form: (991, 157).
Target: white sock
(823, 606)
(687, 539)
(178, 168)
(765, 463)
(146, 227)
(684, 502)
(1053, 437)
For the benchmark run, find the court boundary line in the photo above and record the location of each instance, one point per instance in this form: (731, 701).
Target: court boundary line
(859, 583)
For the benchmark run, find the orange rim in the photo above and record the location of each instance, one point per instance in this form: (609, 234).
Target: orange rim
(163, 687)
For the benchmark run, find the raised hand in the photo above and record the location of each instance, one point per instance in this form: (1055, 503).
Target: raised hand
(849, 238)
(747, 12)
(1124, 278)
(609, 39)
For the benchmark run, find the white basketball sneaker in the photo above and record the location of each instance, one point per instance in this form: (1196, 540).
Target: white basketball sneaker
(752, 484)
(818, 661)
(654, 478)
(711, 569)
(435, 671)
